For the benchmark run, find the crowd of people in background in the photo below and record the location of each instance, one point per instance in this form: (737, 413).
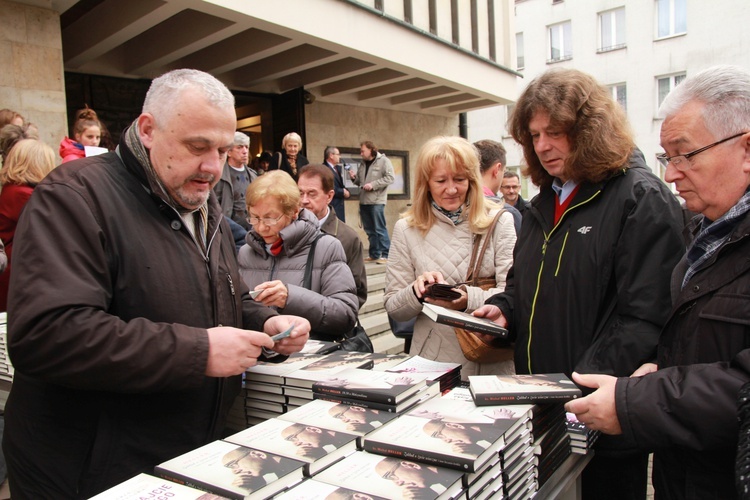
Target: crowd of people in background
(200, 251)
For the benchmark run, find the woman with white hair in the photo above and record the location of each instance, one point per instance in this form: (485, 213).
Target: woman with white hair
(289, 159)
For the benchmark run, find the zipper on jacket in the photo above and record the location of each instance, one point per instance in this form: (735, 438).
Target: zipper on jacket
(234, 295)
(547, 238)
(562, 251)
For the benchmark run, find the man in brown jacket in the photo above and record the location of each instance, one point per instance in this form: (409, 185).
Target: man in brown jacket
(129, 324)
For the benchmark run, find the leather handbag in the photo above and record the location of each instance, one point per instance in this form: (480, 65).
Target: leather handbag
(474, 348)
(354, 340)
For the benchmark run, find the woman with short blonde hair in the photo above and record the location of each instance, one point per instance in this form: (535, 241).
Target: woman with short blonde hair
(434, 242)
(275, 257)
(26, 164)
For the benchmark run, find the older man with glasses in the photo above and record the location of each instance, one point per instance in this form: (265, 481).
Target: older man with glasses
(684, 405)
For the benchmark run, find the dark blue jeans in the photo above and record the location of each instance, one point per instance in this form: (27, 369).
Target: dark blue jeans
(373, 222)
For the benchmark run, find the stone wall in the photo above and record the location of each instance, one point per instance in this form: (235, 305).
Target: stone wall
(31, 78)
(346, 126)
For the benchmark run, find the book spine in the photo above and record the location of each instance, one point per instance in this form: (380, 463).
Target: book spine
(373, 405)
(473, 327)
(359, 394)
(525, 398)
(197, 484)
(406, 452)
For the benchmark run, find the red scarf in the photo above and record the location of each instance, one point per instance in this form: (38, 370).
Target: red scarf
(276, 247)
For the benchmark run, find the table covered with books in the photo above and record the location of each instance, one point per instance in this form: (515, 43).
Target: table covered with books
(363, 425)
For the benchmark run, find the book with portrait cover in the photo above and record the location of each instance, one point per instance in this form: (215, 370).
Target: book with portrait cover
(447, 373)
(312, 489)
(380, 387)
(232, 471)
(385, 361)
(463, 320)
(312, 444)
(333, 416)
(146, 486)
(327, 366)
(448, 433)
(426, 392)
(522, 389)
(391, 477)
(273, 373)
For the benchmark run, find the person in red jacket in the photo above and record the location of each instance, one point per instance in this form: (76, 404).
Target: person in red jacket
(87, 131)
(26, 164)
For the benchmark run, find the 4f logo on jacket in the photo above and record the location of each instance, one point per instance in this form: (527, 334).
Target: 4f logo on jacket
(584, 229)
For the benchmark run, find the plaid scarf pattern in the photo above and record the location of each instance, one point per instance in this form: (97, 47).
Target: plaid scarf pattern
(455, 216)
(713, 235)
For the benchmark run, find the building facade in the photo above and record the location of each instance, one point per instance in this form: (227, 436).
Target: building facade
(337, 72)
(640, 49)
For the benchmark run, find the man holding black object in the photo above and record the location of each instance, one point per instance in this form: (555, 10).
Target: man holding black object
(588, 290)
(129, 324)
(686, 410)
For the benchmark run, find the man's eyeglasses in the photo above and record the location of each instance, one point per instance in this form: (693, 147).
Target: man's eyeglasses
(268, 221)
(682, 163)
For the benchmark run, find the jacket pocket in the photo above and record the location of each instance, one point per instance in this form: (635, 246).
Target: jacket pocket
(729, 308)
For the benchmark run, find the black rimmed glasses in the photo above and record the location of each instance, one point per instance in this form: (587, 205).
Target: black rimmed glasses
(268, 221)
(682, 163)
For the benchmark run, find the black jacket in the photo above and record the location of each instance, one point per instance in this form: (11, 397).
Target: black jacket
(591, 293)
(686, 411)
(281, 162)
(111, 299)
(338, 191)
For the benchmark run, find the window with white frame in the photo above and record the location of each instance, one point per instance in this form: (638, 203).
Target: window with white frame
(665, 84)
(612, 29)
(671, 17)
(560, 42)
(520, 62)
(620, 94)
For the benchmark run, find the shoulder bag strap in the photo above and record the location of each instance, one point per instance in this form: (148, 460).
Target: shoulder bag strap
(476, 257)
(307, 280)
(278, 160)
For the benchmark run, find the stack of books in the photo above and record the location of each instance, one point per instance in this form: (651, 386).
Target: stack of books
(312, 489)
(581, 437)
(378, 390)
(228, 470)
(266, 395)
(379, 476)
(548, 393)
(356, 420)
(6, 368)
(272, 389)
(450, 433)
(551, 442)
(146, 486)
(447, 374)
(515, 467)
(314, 445)
(299, 382)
